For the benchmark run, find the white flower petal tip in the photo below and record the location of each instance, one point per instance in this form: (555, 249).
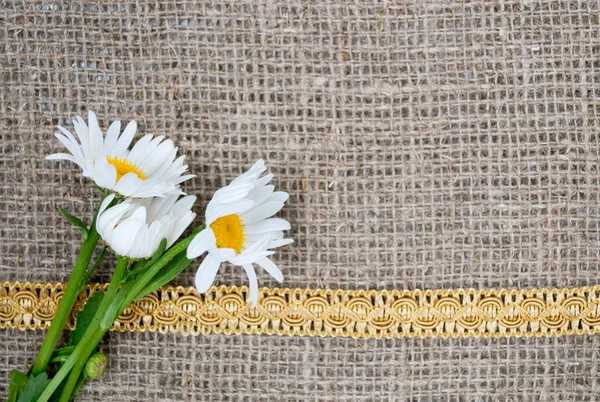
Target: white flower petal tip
(206, 273)
(135, 228)
(201, 243)
(241, 229)
(150, 168)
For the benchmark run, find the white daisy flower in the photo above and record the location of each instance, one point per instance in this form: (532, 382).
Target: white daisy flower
(135, 228)
(149, 169)
(239, 229)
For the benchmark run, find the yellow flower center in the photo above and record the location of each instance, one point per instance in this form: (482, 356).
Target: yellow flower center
(229, 232)
(123, 167)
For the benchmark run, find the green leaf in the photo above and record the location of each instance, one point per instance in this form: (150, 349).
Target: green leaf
(166, 274)
(61, 355)
(34, 388)
(64, 351)
(18, 381)
(85, 316)
(75, 221)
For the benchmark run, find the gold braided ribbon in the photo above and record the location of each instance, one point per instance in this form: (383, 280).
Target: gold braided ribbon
(324, 312)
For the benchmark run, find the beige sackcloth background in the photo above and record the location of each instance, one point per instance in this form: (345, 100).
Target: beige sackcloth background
(423, 144)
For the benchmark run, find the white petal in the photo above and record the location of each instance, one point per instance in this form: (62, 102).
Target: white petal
(82, 132)
(263, 181)
(183, 205)
(232, 193)
(109, 219)
(124, 236)
(173, 189)
(139, 246)
(125, 139)
(215, 212)
(180, 225)
(183, 178)
(152, 160)
(73, 147)
(165, 170)
(260, 245)
(280, 196)
(261, 194)
(251, 238)
(128, 183)
(267, 225)
(249, 258)
(271, 268)
(139, 213)
(205, 276)
(154, 206)
(253, 172)
(259, 165)
(104, 175)
(149, 150)
(71, 138)
(152, 239)
(161, 206)
(105, 203)
(253, 298)
(96, 138)
(261, 212)
(112, 135)
(222, 254)
(201, 243)
(62, 157)
(138, 149)
(279, 243)
(276, 235)
(138, 188)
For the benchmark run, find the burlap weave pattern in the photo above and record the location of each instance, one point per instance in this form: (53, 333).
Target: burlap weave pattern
(423, 144)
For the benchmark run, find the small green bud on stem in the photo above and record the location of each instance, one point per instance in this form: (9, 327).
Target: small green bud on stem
(96, 365)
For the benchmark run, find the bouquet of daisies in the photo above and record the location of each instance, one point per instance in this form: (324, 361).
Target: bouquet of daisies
(140, 220)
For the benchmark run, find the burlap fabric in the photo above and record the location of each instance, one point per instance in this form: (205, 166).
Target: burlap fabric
(423, 144)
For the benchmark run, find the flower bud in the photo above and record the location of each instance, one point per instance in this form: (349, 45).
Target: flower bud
(96, 365)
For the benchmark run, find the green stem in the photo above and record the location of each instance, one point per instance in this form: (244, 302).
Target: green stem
(92, 337)
(77, 280)
(88, 274)
(67, 301)
(105, 305)
(103, 320)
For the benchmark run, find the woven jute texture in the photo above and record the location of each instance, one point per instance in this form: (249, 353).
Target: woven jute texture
(424, 145)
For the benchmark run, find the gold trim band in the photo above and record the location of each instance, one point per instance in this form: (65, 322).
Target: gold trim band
(324, 312)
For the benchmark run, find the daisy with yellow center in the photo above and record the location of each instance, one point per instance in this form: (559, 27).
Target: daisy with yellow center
(240, 229)
(150, 169)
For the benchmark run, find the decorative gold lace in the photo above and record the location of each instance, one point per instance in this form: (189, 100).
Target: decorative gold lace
(324, 312)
